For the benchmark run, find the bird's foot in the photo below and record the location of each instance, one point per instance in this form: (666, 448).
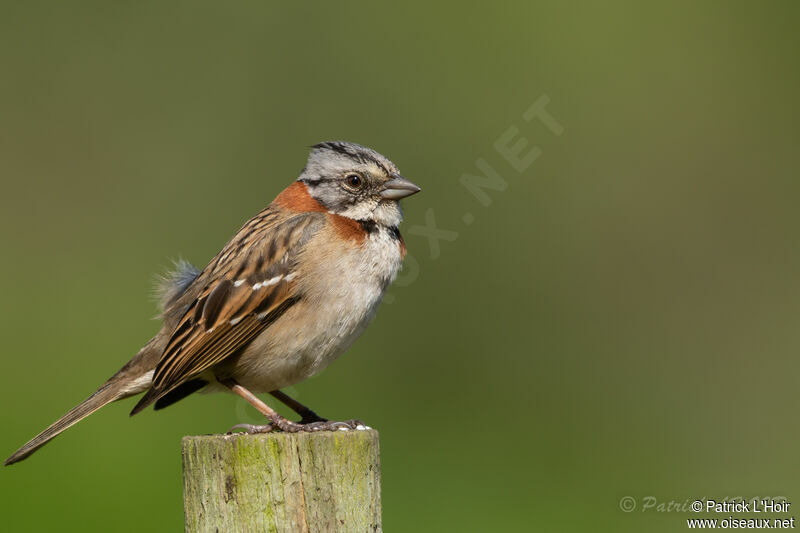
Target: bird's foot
(288, 426)
(250, 429)
(325, 425)
(307, 424)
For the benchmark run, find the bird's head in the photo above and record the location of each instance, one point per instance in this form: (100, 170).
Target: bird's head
(356, 182)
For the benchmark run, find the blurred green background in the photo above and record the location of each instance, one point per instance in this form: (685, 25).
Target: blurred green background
(620, 321)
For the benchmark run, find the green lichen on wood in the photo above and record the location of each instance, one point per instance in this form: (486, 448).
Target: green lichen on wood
(326, 481)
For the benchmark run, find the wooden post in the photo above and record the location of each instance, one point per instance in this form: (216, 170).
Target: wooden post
(322, 481)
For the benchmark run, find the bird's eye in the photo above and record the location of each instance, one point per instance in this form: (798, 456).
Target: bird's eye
(354, 181)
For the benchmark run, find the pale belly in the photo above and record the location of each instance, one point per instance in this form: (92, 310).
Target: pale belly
(338, 303)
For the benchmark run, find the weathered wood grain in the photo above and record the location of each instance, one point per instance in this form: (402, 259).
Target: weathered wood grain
(307, 482)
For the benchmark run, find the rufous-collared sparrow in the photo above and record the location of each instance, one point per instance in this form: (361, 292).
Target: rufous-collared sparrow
(290, 292)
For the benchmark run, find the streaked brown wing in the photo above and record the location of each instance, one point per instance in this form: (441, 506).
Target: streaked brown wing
(244, 296)
(224, 320)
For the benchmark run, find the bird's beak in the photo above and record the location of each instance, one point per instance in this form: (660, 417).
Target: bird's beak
(398, 187)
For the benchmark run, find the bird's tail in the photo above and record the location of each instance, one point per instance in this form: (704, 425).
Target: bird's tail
(104, 395)
(130, 380)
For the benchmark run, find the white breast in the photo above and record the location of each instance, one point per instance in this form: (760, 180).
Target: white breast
(341, 294)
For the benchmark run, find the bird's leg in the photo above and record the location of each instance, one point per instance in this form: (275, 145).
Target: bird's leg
(277, 421)
(308, 416)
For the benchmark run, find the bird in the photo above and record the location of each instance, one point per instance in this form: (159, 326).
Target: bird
(289, 293)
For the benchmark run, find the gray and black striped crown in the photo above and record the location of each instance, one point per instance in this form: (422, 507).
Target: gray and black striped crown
(330, 157)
